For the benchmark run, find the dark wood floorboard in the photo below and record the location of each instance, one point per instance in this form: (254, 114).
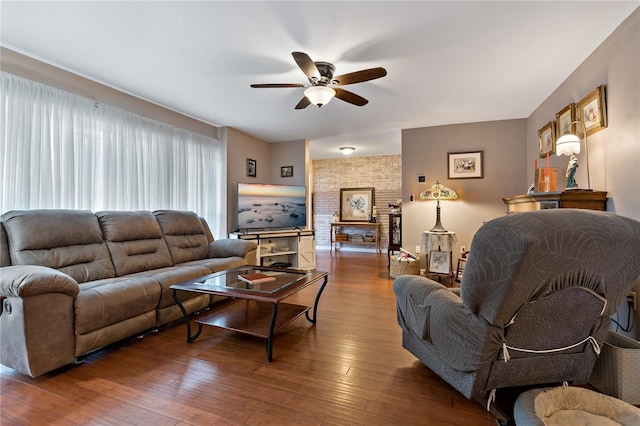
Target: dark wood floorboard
(348, 369)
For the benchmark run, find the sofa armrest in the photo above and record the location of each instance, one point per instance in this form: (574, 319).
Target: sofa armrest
(37, 319)
(229, 247)
(31, 280)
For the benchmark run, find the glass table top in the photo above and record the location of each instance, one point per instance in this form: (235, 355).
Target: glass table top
(256, 279)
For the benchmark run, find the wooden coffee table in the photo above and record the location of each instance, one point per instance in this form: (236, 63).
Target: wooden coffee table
(255, 309)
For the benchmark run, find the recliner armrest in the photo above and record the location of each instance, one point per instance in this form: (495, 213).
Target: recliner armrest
(229, 247)
(432, 312)
(32, 280)
(37, 320)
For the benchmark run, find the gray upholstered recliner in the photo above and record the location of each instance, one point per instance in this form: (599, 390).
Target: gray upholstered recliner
(534, 305)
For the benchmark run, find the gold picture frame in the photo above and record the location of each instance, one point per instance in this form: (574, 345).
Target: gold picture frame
(547, 139)
(564, 119)
(592, 110)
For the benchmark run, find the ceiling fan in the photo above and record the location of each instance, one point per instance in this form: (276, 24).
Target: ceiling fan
(324, 85)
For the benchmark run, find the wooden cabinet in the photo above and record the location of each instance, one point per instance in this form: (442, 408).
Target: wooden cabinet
(296, 249)
(572, 199)
(395, 234)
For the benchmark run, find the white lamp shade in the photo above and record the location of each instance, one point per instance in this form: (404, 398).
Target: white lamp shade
(319, 95)
(568, 144)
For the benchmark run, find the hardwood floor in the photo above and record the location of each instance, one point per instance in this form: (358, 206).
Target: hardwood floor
(348, 369)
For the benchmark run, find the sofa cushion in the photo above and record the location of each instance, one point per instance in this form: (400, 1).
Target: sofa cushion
(166, 277)
(105, 302)
(5, 259)
(67, 240)
(218, 264)
(184, 234)
(134, 240)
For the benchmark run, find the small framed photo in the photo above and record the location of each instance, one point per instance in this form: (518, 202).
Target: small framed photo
(547, 139)
(440, 262)
(356, 204)
(251, 167)
(465, 165)
(592, 111)
(286, 171)
(564, 119)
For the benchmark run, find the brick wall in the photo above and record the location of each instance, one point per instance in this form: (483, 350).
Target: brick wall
(383, 172)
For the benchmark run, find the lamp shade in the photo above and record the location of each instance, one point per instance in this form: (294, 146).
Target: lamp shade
(319, 95)
(438, 191)
(568, 144)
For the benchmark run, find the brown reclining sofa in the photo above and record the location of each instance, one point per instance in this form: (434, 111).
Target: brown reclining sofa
(73, 281)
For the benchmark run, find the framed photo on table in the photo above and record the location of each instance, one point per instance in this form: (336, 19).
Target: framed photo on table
(440, 262)
(356, 204)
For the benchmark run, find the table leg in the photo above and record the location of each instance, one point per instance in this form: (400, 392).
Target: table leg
(187, 320)
(269, 342)
(313, 319)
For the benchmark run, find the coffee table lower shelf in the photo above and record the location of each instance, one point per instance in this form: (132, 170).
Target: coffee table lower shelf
(258, 311)
(252, 317)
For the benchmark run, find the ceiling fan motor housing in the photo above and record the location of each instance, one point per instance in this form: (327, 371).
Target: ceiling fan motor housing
(326, 71)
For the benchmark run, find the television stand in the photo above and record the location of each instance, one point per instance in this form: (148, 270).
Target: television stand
(294, 247)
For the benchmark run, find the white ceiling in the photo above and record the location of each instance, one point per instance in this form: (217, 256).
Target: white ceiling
(447, 62)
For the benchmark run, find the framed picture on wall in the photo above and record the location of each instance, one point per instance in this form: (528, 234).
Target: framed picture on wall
(356, 204)
(592, 111)
(286, 171)
(547, 139)
(564, 119)
(251, 167)
(465, 165)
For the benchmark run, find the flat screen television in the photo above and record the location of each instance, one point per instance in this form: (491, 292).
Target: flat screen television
(265, 206)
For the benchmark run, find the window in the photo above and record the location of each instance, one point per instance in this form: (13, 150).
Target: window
(59, 150)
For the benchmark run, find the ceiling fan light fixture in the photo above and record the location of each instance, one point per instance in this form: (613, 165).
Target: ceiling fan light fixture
(319, 95)
(347, 150)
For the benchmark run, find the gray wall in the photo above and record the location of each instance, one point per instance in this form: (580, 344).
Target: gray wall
(614, 153)
(292, 153)
(424, 151)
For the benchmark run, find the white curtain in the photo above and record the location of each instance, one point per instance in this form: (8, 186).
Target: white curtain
(60, 150)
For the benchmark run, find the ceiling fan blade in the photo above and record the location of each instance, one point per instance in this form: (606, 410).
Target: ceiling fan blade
(350, 97)
(264, 86)
(307, 66)
(360, 76)
(304, 102)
